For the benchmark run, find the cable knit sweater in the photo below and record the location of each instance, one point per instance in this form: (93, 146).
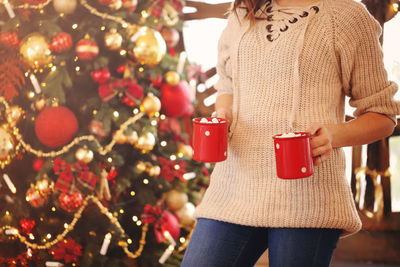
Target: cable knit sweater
(288, 71)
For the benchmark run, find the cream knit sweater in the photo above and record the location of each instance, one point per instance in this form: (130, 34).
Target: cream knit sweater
(284, 77)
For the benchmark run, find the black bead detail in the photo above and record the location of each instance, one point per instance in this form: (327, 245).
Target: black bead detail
(269, 9)
(285, 29)
(269, 18)
(269, 27)
(315, 8)
(269, 37)
(293, 21)
(305, 14)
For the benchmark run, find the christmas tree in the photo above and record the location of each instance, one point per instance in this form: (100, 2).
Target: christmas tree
(96, 101)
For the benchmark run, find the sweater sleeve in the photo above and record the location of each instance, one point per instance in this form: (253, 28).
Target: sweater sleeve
(224, 69)
(364, 77)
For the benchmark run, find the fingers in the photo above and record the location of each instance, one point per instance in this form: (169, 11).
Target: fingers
(313, 129)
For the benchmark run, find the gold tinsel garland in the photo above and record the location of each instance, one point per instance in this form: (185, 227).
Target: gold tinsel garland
(113, 220)
(39, 153)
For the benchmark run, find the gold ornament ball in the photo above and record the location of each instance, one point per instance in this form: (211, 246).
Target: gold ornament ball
(84, 154)
(6, 144)
(172, 78)
(132, 138)
(150, 47)
(15, 114)
(65, 6)
(141, 166)
(154, 171)
(150, 105)
(35, 51)
(146, 142)
(175, 200)
(186, 215)
(113, 40)
(186, 150)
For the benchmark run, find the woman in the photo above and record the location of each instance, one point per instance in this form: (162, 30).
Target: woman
(286, 66)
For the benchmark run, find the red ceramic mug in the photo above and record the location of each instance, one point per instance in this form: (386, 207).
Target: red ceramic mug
(210, 139)
(293, 155)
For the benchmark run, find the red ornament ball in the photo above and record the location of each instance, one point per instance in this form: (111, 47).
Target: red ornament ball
(56, 126)
(71, 203)
(171, 36)
(170, 223)
(101, 76)
(35, 198)
(61, 42)
(38, 164)
(87, 49)
(176, 100)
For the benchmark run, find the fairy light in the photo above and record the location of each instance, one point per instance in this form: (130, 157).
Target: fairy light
(11, 231)
(9, 183)
(141, 69)
(106, 244)
(172, 157)
(135, 111)
(53, 68)
(157, 114)
(74, 26)
(7, 213)
(77, 69)
(102, 28)
(144, 14)
(122, 52)
(138, 223)
(48, 236)
(66, 225)
(153, 122)
(31, 236)
(124, 25)
(162, 117)
(76, 59)
(177, 167)
(109, 159)
(116, 114)
(53, 209)
(133, 193)
(134, 218)
(180, 155)
(94, 112)
(163, 143)
(129, 241)
(146, 181)
(396, 7)
(29, 252)
(121, 211)
(182, 239)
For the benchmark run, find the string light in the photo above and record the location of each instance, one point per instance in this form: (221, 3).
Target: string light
(396, 7)
(133, 193)
(74, 26)
(172, 157)
(9, 183)
(116, 114)
(134, 218)
(145, 181)
(163, 143)
(77, 68)
(122, 52)
(106, 244)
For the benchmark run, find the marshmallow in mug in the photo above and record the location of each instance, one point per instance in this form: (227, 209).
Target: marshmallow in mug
(290, 135)
(205, 120)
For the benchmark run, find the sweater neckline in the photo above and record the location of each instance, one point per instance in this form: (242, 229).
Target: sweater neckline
(305, 7)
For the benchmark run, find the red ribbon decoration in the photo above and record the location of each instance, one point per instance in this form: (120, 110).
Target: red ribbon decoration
(66, 176)
(158, 5)
(158, 216)
(168, 170)
(132, 90)
(67, 250)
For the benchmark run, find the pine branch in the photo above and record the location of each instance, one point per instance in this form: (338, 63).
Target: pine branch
(11, 74)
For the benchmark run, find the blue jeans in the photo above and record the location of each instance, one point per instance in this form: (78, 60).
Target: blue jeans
(215, 243)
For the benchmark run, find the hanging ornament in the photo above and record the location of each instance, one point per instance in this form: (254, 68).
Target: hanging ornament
(84, 154)
(101, 76)
(9, 39)
(175, 200)
(71, 202)
(186, 150)
(45, 186)
(26, 225)
(171, 36)
(150, 105)
(130, 5)
(40, 103)
(35, 198)
(65, 6)
(35, 51)
(96, 128)
(175, 100)
(172, 78)
(56, 126)
(61, 42)
(37, 164)
(146, 142)
(113, 40)
(87, 49)
(150, 47)
(186, 215)
(7, 145)
(132, 138)
(15, 114)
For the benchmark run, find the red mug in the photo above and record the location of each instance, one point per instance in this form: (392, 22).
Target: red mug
(293, 155)
(210, 139)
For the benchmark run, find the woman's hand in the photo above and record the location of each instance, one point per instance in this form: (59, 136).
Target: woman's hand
(223, 113)
(321, 142)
